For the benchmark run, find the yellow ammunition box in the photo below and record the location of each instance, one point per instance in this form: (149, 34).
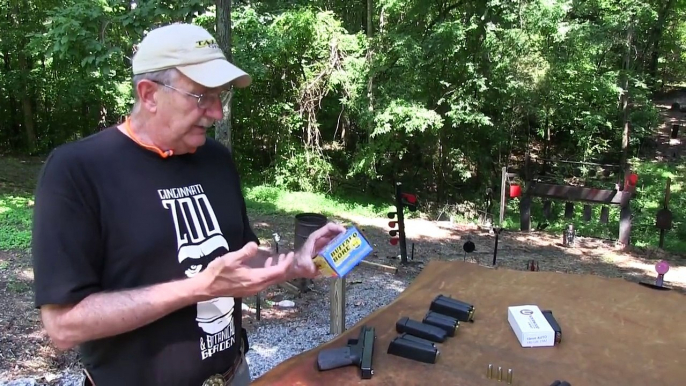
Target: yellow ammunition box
(343, 253)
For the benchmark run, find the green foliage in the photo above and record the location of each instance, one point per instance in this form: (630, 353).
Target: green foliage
(267, 199)
(15, 222)
(650, 199)
(301, 170)
(438, 95)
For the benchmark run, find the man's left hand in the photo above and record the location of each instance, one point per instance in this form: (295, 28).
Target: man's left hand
(303, 266)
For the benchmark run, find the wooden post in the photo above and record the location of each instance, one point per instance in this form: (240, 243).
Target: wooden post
(337, 298)
(525, 213)
(665, 204)
(668, 193)
(587, 212)
(625, 223)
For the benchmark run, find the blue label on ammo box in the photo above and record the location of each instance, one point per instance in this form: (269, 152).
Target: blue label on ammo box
(343, 253)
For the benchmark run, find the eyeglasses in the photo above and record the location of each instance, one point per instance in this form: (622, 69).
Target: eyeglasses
(204, 100)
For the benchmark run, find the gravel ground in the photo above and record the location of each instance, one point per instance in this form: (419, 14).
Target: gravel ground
(68, 378)
(306, 325)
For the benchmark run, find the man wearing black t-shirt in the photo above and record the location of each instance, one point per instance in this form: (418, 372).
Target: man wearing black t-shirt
(141, 243)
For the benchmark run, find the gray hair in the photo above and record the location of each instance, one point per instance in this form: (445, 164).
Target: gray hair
(167, 76)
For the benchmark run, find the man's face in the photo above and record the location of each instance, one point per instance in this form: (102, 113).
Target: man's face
(184, 122)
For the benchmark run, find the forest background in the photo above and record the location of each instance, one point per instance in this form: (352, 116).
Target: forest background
(350, 97)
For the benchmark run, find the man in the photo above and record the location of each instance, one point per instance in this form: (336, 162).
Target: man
(141, 244)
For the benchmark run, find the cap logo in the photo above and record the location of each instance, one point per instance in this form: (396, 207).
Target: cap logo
(211, 43)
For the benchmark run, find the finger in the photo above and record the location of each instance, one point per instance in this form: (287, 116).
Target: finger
(324, 235)
(325, 239)
(308, 264)
(247, 252)
(288, 260)
(330, 228)
(336, 227)
(279, 259)
(275, 271)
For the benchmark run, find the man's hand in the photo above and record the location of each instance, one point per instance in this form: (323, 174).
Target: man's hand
(106, 314)
(230, 275)
(303, 266)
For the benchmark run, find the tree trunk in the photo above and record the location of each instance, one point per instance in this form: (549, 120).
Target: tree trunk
(27, 105)
(222, 131)
(656, 34)
(625, 97)
(370, 53)
(14, 122)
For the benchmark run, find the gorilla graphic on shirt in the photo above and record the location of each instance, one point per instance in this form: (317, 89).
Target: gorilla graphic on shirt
(200, 241)
(216, 314)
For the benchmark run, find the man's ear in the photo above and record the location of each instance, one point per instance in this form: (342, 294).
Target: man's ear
(147, 94)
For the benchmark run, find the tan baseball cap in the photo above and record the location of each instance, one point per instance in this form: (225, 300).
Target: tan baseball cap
(190, 49)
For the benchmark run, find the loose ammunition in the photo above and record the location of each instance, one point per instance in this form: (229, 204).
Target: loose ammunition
(489, 372)
(500, 374)
(509, 376)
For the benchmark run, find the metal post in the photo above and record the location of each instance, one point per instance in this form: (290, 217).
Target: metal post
(503, 185)
(401, 222)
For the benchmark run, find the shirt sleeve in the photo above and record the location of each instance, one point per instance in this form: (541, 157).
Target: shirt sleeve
(66, 239)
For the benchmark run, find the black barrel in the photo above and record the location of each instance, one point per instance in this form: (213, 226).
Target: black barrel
(305, 225)
(675, 131)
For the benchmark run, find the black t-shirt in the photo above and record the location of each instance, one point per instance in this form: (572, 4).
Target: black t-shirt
(110, 215)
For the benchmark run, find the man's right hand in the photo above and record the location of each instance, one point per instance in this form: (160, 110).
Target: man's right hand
(229, 275)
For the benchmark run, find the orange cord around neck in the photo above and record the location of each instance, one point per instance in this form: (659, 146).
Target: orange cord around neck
(160, 152)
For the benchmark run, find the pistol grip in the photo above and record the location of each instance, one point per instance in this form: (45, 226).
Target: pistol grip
(335, 358)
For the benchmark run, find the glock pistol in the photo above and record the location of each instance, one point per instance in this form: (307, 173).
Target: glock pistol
(357, 352)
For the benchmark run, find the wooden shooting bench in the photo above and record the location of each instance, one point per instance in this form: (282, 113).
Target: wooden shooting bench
(614, 332)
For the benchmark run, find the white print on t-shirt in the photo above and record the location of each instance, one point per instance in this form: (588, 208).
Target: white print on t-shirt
(198, 235)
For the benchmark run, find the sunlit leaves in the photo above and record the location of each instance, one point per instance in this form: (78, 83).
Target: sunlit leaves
(443, 88)
(406, 118)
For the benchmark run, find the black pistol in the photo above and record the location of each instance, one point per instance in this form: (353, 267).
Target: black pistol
(358, 352)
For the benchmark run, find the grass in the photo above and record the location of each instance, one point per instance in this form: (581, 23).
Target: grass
(269, 199)
(17, 182)
(16, 201)
(15, 222)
